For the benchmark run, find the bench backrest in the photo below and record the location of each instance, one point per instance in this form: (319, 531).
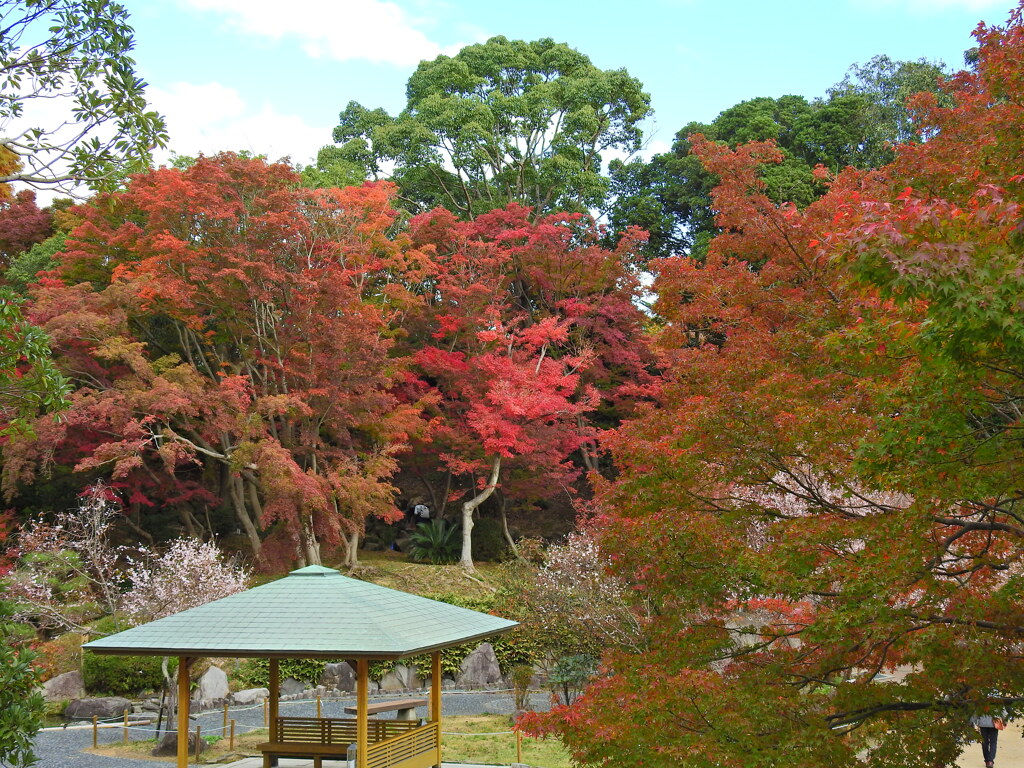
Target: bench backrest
(324, 730)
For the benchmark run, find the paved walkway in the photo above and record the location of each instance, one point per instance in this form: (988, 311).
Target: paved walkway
(1009, 750)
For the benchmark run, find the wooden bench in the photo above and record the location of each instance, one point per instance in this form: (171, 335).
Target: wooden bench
(320, 737)
(274, 749)
(406, 708)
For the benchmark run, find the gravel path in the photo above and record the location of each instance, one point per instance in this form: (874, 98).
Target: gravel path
(57, 747)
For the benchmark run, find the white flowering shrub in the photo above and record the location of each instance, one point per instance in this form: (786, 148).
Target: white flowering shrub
(575, 588)
(187, 574)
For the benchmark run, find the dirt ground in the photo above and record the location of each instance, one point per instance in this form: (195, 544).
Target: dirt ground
(1009, 750)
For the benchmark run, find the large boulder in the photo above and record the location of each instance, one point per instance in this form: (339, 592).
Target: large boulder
(480, 668)
(409, 677)
(102, 707)
(168, 745)
(249, 696)
(392, 681)
(292, 687)
(339, 676)
(64, 687)
(212, 689)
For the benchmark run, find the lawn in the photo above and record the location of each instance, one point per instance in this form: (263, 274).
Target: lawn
(467, 739)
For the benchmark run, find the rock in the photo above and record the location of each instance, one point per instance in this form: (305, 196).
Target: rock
(151, 704)
(292, 687)
(408, 676)
(249, 696)
(103, 708)
(480, 668)
(212, 688)
(64, 687)
(391, 682)
(339, 676)
(168, 745)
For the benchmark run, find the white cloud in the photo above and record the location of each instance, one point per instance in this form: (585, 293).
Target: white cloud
(210, 117)
(373, 30)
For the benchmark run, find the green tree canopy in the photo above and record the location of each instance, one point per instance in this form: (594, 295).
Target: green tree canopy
(856, 125)
(502, 121)
(75, 51)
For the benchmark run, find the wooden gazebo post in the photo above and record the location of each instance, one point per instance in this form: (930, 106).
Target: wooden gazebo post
(362, 704)
(275, 697)
(435, 699)
(183, 706)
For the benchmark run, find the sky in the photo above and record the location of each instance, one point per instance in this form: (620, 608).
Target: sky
(270, 76)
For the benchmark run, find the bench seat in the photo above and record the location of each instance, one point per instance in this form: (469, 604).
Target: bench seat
(272, 749)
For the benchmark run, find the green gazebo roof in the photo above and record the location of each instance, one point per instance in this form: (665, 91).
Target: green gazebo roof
(313, 612)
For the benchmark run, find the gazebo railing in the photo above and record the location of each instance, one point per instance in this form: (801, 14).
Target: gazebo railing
(418, 748)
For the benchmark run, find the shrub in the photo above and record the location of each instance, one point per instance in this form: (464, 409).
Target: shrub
(255, 673)
(435, 542)
(21, 705)
(62, 654)
(570, 675)
(521, 675)
(121, 675)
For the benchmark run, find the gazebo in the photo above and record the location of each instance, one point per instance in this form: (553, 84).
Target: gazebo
(316, 613)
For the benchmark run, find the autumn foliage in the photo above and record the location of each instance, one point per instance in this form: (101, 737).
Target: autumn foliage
(241, 345)
(824, 510)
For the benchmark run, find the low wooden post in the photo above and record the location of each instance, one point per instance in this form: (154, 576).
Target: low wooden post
(95, 732)
(125, 733)
(266, 703)
(199, 743)
(318, 707)
(519, 746)
(225, 715)
(231, 739)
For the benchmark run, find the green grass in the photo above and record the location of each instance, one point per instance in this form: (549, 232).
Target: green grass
(497, 749)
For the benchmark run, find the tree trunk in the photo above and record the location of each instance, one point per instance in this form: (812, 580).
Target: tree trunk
(508, 536)
(310, 545)
(587, 449)
(238, 502)
(352, 556)
(468, 508)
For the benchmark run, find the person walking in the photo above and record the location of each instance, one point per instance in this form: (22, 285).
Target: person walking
(989, 726)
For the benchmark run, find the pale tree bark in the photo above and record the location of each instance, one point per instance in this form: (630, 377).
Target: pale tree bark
(468, 508)
(238, 502)
(508, 536)
(352, 555)
(310, 546)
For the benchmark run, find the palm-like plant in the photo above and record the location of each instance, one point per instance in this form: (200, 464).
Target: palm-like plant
(435, 542)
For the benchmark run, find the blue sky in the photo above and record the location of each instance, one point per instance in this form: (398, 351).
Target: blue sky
(270, 76)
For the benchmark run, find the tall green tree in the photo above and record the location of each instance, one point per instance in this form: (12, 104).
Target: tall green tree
(75, 52)
(502, 121)
(858, 124)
